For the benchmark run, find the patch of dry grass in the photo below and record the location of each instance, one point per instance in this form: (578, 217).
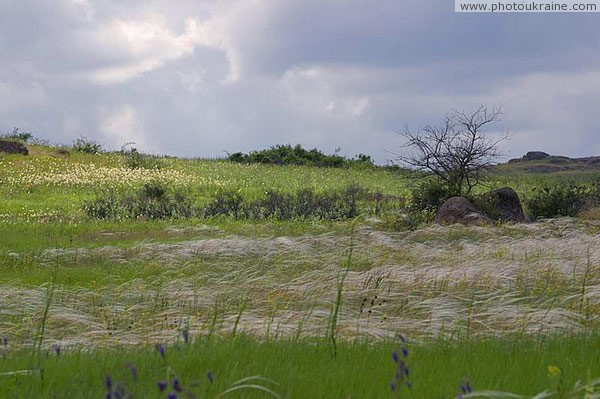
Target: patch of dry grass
(542, 278)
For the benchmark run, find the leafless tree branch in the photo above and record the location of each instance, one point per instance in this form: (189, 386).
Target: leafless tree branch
(456, 151)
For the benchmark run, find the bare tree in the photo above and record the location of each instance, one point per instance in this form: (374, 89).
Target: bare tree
(456, 151)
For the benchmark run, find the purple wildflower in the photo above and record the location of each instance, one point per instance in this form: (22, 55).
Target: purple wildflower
(162, 385)
(186, 335)
(172, 395)
(5, 340)
(176, 385)
(108, 383)
(161, 350)
(134, 371)
(465, 388)
(211, 377)
(402, 374)
(56, 349)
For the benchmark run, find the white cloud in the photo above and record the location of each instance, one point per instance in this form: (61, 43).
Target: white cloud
(123, 125)
(148, 45)
(243, 74)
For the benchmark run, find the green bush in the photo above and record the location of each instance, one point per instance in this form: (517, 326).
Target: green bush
(106, 207)
(560, 200)
(86, 146)
(154, 201)
(17, 135)
(304, 204)
(288, 155)
(151, 202)
(429, 195)
(136, 160)
(226, 203)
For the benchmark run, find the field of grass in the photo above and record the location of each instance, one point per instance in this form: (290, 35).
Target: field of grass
(313, 305)
(306, 369)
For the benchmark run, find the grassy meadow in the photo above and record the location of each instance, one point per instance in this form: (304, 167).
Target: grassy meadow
(302, 308)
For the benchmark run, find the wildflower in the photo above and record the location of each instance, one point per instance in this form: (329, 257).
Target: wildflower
(108, 383)
(56, 349)
(211, 377)
(172, 395)
(161, 350)
(134, 371)
(553, 371)
(162, 385)
(176, 385)
(401, 376)
(465, 389)
(186, 335)
(5, 340)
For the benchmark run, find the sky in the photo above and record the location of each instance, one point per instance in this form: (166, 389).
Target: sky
(202, 78)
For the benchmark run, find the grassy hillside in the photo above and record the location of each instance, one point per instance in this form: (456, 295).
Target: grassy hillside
(315, 305)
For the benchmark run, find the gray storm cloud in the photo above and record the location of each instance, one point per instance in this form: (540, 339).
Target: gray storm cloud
(198, 78)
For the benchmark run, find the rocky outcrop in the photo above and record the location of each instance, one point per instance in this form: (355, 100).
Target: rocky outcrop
(542, 162)
(13, 147)
(535, 156)
(532, 156)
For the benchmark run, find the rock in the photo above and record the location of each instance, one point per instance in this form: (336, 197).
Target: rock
(13, 147)
(535, 156)
(459, 210)
(501, 204)
(558, 159)
(592, 160)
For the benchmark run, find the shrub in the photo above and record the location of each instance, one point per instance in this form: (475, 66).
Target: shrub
(429, 195)
(304, 204)
(136, 160)
(288, 155)
(350, 198)
(107, 207)
(226, 203)
(86, 146)
(151, 202)
(560, 200)
(18, 135)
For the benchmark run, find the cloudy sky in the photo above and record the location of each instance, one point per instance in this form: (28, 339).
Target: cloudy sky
(200, 77)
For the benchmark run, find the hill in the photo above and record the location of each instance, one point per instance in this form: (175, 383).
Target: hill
(541, 162)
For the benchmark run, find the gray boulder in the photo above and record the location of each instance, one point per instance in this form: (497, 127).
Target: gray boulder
(459, 210)
(13, 147)
(501, 204)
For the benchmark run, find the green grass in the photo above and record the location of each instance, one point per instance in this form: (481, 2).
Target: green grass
(42, 185)
(31, 237)
(123, 285)
(306, 369)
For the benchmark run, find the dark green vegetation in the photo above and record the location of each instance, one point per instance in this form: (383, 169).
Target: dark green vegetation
(288, 155)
